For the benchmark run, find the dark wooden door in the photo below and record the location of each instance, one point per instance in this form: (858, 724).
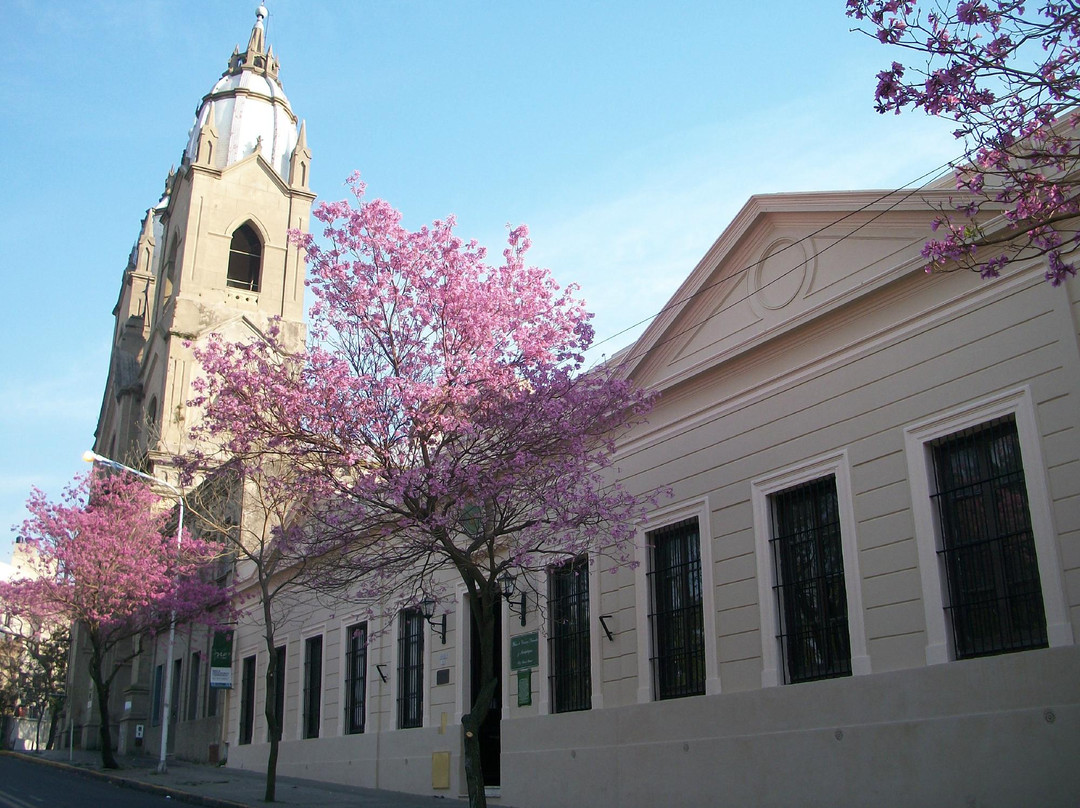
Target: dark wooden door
(490, 738)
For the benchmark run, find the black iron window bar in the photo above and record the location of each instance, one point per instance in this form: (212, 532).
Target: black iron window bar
(811, 597)
(569, 641)
(994, 593)
(678, 660)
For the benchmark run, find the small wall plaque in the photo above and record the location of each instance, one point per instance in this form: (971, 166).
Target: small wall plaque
(524, 688)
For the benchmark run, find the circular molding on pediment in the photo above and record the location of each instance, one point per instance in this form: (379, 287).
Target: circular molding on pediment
(780, 275)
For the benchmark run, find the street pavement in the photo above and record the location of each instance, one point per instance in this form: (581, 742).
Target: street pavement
(222, 787)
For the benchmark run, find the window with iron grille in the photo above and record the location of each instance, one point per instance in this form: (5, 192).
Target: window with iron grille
(994, 595)
(312, 685)
(678, 628)
(568, 641)
(247, 700)
(174, 706)
(156, 699)
(279, 690)
(410, 697)
(211, 696)
(811, 595)
(355, 678)
(193, 688)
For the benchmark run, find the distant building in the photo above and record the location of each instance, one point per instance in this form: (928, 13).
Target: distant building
(25, 703)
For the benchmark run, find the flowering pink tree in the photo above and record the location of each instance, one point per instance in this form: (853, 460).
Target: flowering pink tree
(105, 560)
(1008, 73)
(440, 419)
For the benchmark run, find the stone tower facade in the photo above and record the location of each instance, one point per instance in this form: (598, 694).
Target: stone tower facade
(212, 257)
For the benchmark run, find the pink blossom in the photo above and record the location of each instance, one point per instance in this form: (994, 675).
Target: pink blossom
(1014, 108)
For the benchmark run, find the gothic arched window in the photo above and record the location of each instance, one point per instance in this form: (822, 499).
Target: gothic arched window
(245, 259)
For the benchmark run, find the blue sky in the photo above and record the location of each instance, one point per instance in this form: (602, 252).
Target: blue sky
(626, 135)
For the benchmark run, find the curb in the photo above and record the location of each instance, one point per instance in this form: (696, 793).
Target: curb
(135, 785)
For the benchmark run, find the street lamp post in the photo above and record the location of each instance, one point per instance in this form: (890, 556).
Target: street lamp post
(93, 457)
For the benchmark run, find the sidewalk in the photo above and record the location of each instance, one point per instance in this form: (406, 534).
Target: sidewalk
(222, 787)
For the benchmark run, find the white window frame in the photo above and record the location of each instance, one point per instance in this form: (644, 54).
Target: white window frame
(837, 465)
(250, 651)
(1018, 403)
(695, 508)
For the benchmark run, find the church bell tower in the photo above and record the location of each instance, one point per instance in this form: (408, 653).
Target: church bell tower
(212, 256)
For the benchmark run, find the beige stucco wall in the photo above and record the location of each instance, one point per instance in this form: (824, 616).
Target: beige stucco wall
(997, 731)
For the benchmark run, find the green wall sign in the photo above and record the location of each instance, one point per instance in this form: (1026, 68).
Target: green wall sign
(524, 651)
(221, 660)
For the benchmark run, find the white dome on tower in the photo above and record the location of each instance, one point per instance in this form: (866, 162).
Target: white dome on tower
(248, 109)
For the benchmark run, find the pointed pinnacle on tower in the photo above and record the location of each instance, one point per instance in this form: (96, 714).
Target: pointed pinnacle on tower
(256, 57)
(301, 160)
(257, 41)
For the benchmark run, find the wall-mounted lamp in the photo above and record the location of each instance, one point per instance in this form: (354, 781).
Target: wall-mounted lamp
(427, 609)
(506, 583)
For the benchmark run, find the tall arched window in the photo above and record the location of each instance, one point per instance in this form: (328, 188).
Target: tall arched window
(245, 259)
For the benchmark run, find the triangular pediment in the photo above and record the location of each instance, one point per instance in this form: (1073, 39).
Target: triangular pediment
(255, 168)
(785, 260)
(256, 164)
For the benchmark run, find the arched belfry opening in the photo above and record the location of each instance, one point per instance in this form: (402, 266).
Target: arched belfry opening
(245, 259)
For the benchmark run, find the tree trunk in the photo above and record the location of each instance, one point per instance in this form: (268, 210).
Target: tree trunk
(101, 687)
(271, 767)
(54, 716)
(273, 724)
(274, 678)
